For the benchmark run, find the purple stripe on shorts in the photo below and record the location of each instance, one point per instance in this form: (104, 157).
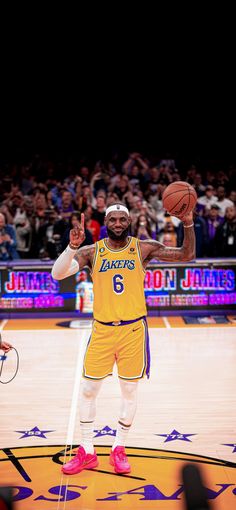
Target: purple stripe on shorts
(148, 360)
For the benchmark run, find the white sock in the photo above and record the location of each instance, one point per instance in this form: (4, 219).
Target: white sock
(121, 435)
(127, 411)
(90, 390)
(87, 436)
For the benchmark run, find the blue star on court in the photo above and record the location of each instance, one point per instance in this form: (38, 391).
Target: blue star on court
(35, 432)
(233, 445)
(176, 436)
(106, 431)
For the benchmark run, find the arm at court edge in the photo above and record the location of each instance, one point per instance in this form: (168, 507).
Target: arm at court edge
(70, 261)
(185, 253)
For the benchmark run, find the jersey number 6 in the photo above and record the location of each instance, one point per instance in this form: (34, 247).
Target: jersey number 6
(118, 286)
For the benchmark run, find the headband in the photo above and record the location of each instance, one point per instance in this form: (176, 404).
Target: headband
(117, 207)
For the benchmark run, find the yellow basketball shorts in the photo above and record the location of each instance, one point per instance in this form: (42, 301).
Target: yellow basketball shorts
(126, 345)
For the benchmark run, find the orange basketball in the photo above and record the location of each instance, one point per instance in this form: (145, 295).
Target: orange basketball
(179, 198)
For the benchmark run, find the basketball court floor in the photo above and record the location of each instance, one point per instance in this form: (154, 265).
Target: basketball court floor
(186, 414)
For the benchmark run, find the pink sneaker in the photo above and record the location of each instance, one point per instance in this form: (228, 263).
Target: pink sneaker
(119, 460)
(82, 460)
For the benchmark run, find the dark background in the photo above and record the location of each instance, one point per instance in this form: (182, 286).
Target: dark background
(95, 81)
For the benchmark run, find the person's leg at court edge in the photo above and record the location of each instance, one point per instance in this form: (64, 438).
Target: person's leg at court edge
(86, 457)
(118, 457)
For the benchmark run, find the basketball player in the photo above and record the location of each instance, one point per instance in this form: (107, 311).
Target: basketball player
(119, 332)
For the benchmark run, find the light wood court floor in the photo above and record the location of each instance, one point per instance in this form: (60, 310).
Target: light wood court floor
(186, 412)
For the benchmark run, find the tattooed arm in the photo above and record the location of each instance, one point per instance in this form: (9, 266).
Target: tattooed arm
(72, 260)
(155, 250)
(84, 256)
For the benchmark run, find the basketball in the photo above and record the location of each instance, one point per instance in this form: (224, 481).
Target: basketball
(179, 198)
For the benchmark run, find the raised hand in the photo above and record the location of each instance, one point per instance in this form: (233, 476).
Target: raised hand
(187, 219)
(77, 235)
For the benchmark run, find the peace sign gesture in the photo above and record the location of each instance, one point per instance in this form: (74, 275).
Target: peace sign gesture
(77, 235)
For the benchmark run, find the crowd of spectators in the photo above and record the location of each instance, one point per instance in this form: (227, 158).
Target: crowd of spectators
(40, 201)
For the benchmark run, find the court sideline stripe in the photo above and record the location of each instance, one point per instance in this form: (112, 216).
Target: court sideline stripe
(166, 322)
(83, 337)
(3, 324)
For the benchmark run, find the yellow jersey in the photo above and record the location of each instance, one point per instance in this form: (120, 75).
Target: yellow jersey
(118, 282)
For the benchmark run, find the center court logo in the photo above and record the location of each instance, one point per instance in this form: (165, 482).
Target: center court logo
(35, 474)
